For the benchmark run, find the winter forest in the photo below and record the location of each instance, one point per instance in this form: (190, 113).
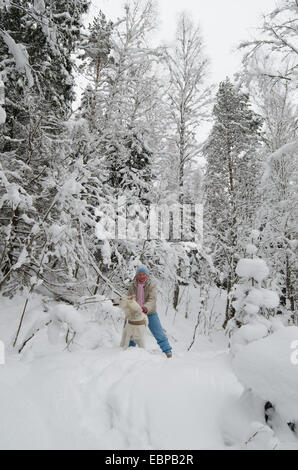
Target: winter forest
(81, 171)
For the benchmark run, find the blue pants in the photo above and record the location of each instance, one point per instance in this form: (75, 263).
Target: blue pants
(158, 333)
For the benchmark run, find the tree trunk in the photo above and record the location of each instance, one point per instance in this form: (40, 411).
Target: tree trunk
(95, 90)
(177, 287)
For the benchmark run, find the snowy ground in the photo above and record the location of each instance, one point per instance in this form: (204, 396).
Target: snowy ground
(97, 396)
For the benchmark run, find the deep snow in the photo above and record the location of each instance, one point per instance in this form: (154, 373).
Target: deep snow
(267, 367)
(110, 399)
(96, 396)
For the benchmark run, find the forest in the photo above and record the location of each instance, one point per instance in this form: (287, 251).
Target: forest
(95, 184)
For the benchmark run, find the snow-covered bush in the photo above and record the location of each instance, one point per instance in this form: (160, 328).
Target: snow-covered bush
(51, 326)
(261, 357)
(252, 301)
(250, 296)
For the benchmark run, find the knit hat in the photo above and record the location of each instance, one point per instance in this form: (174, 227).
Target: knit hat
(142, 270)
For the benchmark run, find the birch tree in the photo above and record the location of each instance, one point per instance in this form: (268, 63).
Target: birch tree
(188, 99)
(188, 94)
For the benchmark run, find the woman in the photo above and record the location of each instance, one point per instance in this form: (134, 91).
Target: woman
(145, 291)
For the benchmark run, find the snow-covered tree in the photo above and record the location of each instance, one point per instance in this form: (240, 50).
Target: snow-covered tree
(278, 221)
(95, 57)
(278, 39)
(37, 40)
(125, 135)
(231, 179)
(124, 94)
(255, 305)
(275, 101)
(188, 97)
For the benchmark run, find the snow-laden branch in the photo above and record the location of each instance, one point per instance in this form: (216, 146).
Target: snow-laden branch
(20, 55)
(286, 149)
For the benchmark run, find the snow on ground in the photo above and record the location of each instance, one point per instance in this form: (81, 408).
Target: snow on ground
(97, 396)
(110, 399)
(267, 366)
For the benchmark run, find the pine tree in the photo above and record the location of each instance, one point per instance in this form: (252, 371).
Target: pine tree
(95, 57)
(231, 178)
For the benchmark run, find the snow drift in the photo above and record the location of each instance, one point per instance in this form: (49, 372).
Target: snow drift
(267, 366)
